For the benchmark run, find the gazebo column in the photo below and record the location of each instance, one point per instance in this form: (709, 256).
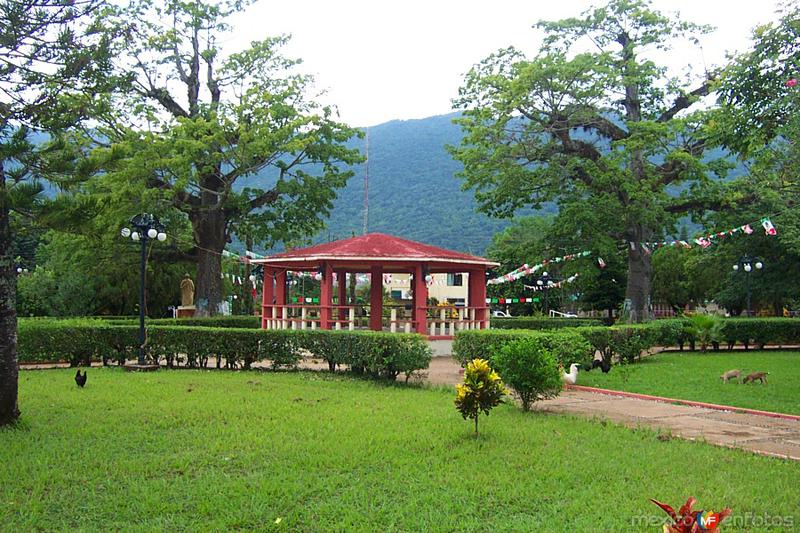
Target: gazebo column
(477, 295)
(280, 296)
(341, 278)
(376, 298)
(420, 301)
(267, 295)
(326, 297)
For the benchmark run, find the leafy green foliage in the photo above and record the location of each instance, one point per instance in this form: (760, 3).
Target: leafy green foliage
(705, 329)
(566, 345)
(97, 272)
(256, 114)
(553, 128)
(81, 341)
(481, 391)
(50, 54)
(528, 367)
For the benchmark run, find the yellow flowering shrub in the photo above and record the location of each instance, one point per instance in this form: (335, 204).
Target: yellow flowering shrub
(481, 390)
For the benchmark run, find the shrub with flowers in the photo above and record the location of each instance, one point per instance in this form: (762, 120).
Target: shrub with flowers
(481, 391)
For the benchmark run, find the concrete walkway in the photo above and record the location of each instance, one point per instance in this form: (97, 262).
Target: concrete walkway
(757, 433)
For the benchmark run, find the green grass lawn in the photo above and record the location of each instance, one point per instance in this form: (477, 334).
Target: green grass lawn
(190, 450)
(695, 376)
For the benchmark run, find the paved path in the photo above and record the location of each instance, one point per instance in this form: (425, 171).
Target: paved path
(758, 433)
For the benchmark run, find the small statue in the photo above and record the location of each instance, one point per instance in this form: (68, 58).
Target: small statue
(187, 291)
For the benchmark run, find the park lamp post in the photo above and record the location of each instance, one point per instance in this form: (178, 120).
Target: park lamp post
(144, 227)
(746, 264)
(545, 282)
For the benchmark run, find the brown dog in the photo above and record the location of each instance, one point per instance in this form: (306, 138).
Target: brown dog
(760, 376)
(730, 374)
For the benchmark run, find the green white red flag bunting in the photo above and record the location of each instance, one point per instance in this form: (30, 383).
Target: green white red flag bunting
(552, 284)
(704, 241)
(526, 270)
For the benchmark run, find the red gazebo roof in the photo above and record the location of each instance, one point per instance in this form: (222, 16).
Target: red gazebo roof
(374, 247)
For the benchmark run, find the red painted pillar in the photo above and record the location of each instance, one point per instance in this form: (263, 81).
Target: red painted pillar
(326, 297)
(280, 287)
(341, 277)
(420, 301)
(477, 296)
(267, 295)
(376, 299)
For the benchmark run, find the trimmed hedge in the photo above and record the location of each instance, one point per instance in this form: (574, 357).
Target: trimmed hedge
(374, 354)
(627, 342)
(567, 346)
(533, 322)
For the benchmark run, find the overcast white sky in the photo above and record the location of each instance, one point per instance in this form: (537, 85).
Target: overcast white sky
(384, 60)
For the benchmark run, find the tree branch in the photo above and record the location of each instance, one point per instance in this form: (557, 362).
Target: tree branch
(684, 101)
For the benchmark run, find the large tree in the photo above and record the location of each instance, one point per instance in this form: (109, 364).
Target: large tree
(50, 51)
(221, 137)
(759, 118)
(595, 124)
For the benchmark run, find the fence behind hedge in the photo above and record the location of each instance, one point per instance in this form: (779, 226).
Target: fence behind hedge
(375, 354)
(533, 322)
(232, 321)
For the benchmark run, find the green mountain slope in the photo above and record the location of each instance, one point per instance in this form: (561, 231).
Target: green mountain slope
(413, 189)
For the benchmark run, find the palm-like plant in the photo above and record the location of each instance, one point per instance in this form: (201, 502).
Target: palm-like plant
(706, 329)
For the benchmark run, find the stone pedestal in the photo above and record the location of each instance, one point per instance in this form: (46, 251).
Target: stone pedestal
(185, 311)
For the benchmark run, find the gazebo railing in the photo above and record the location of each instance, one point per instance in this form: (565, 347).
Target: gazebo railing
(446, 321)
(441, 321)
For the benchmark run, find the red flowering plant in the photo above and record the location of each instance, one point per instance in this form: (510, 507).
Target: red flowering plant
(688, 521)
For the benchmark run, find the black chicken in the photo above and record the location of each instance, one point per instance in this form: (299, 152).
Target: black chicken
(602, 364)
(80, 379)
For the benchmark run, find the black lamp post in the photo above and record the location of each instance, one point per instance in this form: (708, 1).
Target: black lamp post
(746, 264)
(545, 282)
(144, 228)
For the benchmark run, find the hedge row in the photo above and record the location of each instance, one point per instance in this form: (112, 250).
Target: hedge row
(375, 354)
(533, 322)
(567, 346)
(627, 342)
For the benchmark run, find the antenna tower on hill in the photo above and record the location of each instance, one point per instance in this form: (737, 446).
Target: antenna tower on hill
(366, 188)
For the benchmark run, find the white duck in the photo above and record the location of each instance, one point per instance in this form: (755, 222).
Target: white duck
(572, 377)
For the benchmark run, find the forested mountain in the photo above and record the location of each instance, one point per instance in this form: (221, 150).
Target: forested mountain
(413, 189)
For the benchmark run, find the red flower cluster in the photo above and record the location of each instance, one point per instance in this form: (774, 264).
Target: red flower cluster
(791, 83)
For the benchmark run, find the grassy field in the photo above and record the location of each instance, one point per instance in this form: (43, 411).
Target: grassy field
(191, 450)
(695, 376)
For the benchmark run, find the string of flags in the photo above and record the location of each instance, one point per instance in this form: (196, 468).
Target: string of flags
(705, 241)
(526, 270)
(523, 300)
(552, 284)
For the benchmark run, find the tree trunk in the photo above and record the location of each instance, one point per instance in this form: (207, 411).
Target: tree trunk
(8, 316)
(248, 285)
(640, 269)
(209, 235)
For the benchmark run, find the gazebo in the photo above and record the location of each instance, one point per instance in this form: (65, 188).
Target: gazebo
(375, 254)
